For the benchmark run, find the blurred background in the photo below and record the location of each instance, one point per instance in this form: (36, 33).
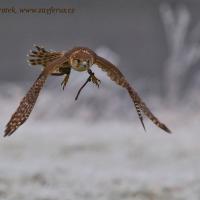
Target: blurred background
(95, 148)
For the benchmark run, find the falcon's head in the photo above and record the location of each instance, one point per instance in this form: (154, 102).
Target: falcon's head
(81, 59)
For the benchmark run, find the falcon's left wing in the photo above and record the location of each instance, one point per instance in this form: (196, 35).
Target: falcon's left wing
(115, 75)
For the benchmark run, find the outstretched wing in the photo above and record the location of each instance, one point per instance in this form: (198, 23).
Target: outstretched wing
(26, 105)
(115, 75)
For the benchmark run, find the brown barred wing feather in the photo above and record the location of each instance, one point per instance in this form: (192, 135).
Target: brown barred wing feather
(135, 97)
(27, 104)
(43, 57)
(115, 75)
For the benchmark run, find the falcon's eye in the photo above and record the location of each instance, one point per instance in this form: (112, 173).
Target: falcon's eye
(76, 62)
(89, 63)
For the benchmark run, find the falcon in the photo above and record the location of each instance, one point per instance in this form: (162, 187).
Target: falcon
(80, 59)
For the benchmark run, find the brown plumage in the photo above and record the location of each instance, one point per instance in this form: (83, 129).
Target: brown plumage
(43, 57)
(119, 78)
(61, 63)
(26, 106)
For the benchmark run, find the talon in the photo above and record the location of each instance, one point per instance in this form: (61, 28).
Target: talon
(64, 82)
(95, 80)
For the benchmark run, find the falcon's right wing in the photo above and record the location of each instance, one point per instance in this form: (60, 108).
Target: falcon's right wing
(26, 105)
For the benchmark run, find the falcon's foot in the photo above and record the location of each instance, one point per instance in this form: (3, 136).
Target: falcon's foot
(94, 79)
(64, 82)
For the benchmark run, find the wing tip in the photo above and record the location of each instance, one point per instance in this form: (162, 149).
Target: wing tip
(164, 127)
(8, 132)
(142, 122)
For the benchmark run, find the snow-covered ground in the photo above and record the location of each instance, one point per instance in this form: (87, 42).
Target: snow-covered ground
(70, 156)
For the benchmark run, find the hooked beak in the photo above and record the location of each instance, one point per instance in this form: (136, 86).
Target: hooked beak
(84, 64)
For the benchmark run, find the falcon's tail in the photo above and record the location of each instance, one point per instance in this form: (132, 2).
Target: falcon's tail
(42, 56)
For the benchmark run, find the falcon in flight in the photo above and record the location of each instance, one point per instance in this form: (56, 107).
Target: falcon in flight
(60, 63)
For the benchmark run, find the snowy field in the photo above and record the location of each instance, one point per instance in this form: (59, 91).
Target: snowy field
(58, 157)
